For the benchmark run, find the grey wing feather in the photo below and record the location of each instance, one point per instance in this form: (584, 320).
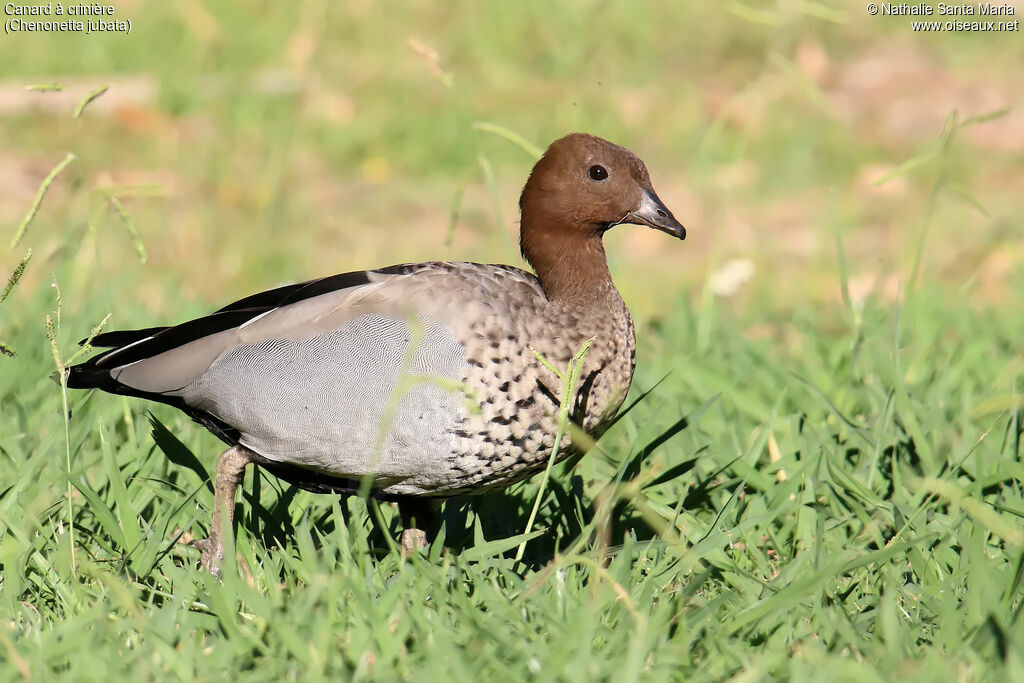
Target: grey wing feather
(452, 292)
(377, 394)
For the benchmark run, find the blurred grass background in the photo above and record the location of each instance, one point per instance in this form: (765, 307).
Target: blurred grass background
(852, 192)
(336, 136)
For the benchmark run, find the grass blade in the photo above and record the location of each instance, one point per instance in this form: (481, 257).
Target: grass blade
(40, 194)
(89, 99)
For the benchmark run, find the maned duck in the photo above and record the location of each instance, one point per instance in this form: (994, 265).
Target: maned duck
(421, 379)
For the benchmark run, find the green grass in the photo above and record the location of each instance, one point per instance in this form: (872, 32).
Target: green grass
(822, 476)
(848, 510)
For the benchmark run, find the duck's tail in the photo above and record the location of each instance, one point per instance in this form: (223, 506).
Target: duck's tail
(92, 374)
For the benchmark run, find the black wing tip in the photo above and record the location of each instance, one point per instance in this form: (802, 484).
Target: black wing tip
(81, 377)
(121, 337)
(88, 376)
(151, 341)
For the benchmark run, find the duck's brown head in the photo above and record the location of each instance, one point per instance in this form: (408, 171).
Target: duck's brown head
(580, 188)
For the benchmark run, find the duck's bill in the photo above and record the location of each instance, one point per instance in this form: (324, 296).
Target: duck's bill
(652, 212)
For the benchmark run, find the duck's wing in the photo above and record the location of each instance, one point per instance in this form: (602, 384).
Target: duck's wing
(161, 359)
(151, 341)
(158, 363)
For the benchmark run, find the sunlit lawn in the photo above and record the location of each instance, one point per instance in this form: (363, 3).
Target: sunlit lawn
(821, 478)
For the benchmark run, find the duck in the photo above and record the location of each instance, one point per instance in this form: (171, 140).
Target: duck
(413, 382)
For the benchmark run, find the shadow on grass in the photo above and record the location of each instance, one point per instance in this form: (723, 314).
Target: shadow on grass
(464, 521)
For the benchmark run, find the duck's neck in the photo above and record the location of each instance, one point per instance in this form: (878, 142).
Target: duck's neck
(570, 263)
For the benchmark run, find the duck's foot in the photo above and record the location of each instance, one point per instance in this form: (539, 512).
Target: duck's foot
(212, 555)
(230, 470)
(413, 541)
(418, 516)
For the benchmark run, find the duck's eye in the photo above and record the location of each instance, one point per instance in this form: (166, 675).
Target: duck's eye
(597, 173)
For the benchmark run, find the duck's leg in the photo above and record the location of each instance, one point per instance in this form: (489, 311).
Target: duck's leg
(230, 470)
(418, 515)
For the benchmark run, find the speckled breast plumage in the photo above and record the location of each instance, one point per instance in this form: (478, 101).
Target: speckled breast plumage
(511, 428)
(512, 434)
